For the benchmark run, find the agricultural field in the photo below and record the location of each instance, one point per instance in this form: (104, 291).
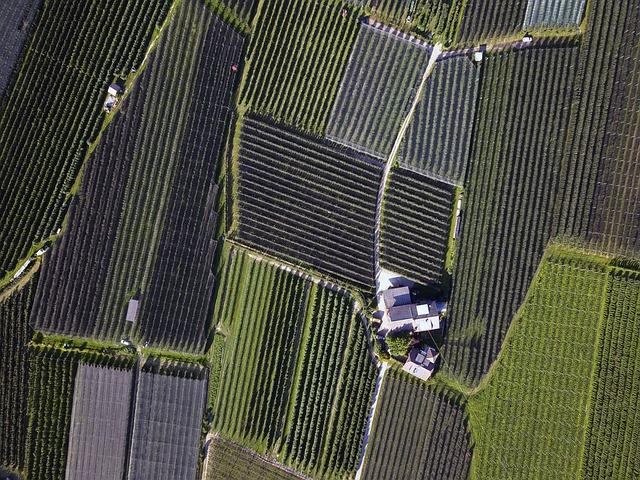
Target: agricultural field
(51, 384)
(583, 313)
(259, 311)
(528, 419)
(15, 25)
(165, 441)
(144, 222)
(612, 447)
(99, 423)
(419, 432)
(15, 334)
(231, 461)
(296, 59)
(597, 143)
(242, 8)
(296, 377)
(484, 20)
(306, 200)
(382, 77)
(511, 199)
(440, 133)
(53, 109)
(543, 14)
(416, 225)
(613, 222)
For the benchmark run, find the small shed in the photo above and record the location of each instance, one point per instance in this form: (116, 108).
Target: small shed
(421, 363)
(132, 310)
(114, 90)
(478, 56)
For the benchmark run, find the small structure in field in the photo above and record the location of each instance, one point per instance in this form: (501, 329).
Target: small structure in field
(21, 270)
(527, 38)
(421, 362)
(456, 229)
(478, 56)
(132, 310)
(113, 94)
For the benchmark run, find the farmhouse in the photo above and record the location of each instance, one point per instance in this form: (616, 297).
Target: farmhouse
(403, 315)
(421, 362)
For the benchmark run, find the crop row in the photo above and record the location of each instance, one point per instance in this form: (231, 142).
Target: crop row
(231, 461)
(538, 393)
(419, 432)
(144, 224)
(612, 447)
(483, 20)
(16, 21)
(416, 223)
(613, 223)
(553, 13)
(165, 441)
(296, 376)
(307, 200)
(53, 108)
(440, 134)
(605, 62)
(381, 79)
(51, 381)
(15, 334)
(99, 427)
(512, 198)
(296, 59)
(259, 309)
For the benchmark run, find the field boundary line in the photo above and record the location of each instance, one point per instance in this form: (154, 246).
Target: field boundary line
(373, 409)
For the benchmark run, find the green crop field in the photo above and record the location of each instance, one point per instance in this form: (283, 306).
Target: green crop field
(231, 461)
(551, 406)
(15, 334)
(193, 270)
(302, 355)
(296, 59)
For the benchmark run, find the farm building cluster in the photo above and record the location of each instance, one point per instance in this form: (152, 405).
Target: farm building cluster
(401, 315)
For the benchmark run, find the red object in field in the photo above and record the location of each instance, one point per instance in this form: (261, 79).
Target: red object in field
(234, 67)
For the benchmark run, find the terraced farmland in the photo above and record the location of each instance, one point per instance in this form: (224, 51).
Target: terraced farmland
(99, 423)
(484, 20)
(231, 461)
(612, 445)
(381, 79)
(295, 65)
(440, 134)
(54, 107)
(307, 201)
(15, 334)
(312, 407)
(419, 433)
(145, 220)
(542, 14)
(416, 224)
(511, 199)
(165, 441)
(15, 24)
